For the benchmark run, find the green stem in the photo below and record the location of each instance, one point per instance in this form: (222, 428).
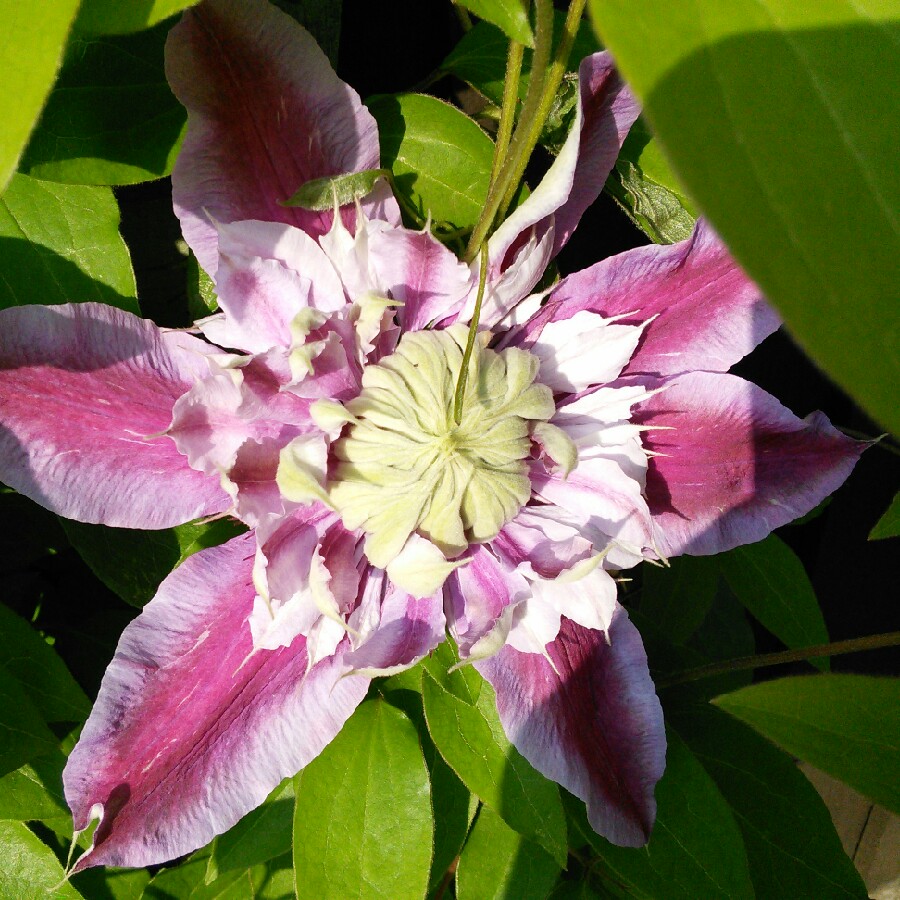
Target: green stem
(465, 20)
(854, 645)
(508, 107)
(543, 44)
(470, 342)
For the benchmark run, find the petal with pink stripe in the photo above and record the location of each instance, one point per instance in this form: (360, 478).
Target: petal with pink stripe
(192, 729)
(86, 392)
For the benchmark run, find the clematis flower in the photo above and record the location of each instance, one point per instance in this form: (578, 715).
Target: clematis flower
(599, 428)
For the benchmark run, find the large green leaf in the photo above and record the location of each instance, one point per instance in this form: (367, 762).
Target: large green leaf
(111, 118)
(462, 719)
(696, 849)
(792, 846)
(116, 17)
(511, 16)
(846, 725)
(34, 791)
(770, 581)
(23, 734)
(132, 563)
(32, 40)
(440, 158)
(30, 871)
(363, 820)
(889, 524)
(60, 243)
(42, 674)
(779, 117)
(497, 862)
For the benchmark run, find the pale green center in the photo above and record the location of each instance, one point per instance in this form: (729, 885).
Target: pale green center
(405, 465)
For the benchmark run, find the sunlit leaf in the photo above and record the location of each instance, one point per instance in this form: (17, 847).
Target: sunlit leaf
(497, 862)
(60, 243)
(770, 581)
(323, 193)
(510, 16)
(792, 846)
(779, 117)
(111, 118)
(34, 791)
(30, 871)
(363, 819)
(32, 40)
(466, 729)
(845, 725)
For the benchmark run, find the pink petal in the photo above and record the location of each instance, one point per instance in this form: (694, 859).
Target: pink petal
(606, 111)
(590, 721)
(708, 313)
(478, 595)
(419, 271)
(81, 388)
(266, 114)
(542, 542)
(736, 463)
(191, 730)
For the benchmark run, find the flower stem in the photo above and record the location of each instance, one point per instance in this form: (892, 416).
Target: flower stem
(854, 645)
(470, 341)
(508, 107)
(543, 43)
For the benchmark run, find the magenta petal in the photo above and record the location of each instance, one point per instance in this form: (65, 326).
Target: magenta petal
(708, 313)
(591, 721)
(266, 114)
(735, 464)
(191, 730)
(81, 388)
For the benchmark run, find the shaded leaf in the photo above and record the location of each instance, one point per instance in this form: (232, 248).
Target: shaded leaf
(772, 584)
(60, 243)
(323, 193)
(32, 40)
(889, 524)
(30, 871)
(116, 17)
(34, 791)
(811, 211)
(677, 599)
(845, 725)
(469, 736)
(111, 118)
(132, 563)
(23, 734)
(695, 850)
(497, 862)
(363, 820)
(792, 846)
(25, 655)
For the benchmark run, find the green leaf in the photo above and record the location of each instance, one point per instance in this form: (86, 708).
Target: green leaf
(469, 736)
(34, 791)
(696, 849)
(480, 57)
(889, 524)
(811, 211)
(322, 193)
(132, 563)
(510, 16)
(772, 584)
(363, 820)
(23, 734)
(269, 881)
(116, 17)
(111, 118)
(30, 871)
(263, 834)
(677, 599)
(440, 158)
(60, 243)
(112, 884)
(845, 725)
(32, 40)
(792, 846)
(497, 862)
(25, 655)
